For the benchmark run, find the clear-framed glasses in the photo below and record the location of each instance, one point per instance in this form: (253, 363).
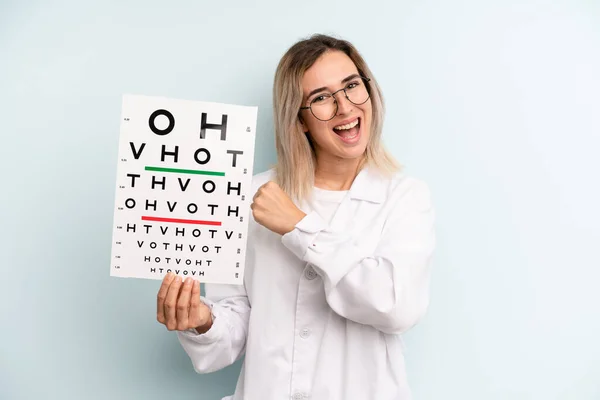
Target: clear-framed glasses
(324, 106)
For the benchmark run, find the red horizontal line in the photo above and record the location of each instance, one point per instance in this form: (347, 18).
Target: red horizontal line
(181, 221)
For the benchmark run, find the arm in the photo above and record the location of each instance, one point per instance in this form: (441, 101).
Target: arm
(225, 341)
(388, 289)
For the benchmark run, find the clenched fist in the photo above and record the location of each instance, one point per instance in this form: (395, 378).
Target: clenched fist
(273, 209)
(179, 306)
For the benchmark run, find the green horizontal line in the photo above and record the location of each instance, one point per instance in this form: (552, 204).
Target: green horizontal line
(185, 171)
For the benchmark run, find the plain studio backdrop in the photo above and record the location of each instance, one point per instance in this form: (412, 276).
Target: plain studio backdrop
(495, 104)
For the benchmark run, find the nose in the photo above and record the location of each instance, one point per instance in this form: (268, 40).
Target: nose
(344, 105)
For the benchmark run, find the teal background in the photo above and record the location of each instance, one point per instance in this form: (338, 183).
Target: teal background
(494, 103)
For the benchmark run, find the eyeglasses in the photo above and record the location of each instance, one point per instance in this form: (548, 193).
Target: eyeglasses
(324, 107)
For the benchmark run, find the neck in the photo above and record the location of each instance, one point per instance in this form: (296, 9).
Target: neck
(336, 174)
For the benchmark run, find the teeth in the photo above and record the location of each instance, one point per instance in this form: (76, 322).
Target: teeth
(347, 126)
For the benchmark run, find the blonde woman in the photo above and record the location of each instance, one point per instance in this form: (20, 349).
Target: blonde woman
(339, 249)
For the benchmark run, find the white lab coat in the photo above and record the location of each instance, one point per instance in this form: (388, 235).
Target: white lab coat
(322, 308)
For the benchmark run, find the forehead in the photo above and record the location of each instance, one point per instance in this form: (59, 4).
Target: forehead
(328, 71)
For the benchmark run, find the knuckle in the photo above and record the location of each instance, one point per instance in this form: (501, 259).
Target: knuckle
(181, 307)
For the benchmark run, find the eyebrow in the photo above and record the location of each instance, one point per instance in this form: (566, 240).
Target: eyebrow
(321, 89)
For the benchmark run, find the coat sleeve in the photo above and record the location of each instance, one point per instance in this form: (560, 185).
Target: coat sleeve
(224, 343)
(388, 289)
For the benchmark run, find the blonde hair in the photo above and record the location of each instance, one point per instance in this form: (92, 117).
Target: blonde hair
(296, 161)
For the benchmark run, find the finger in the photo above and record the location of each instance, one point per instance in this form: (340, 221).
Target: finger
(260, 190)
(171, 303)
(256, 195)
(195, 304)
(195, 301)
(161, 297)
(183, 305)
(256, 214)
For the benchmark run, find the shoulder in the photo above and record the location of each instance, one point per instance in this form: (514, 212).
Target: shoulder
(405, 190)
(403, 182)
(375, 185)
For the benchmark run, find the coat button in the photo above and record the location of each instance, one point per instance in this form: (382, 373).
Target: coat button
(310, 274)
(305, 333)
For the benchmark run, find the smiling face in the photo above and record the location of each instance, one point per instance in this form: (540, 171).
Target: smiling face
(346, 135)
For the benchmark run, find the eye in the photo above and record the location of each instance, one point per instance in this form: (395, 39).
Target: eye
(321, 98)
(353, 85)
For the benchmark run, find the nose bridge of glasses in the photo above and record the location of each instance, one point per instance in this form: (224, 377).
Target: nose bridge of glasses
(340, 90)
(341, 104)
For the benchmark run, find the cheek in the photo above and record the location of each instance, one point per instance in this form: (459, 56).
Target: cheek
(368, 117)
(318, 129)
(367, 111)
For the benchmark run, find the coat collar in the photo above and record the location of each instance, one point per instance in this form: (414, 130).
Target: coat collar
(369, 185)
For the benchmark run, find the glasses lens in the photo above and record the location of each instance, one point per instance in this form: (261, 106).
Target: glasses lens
(323, 107)
(357, 92)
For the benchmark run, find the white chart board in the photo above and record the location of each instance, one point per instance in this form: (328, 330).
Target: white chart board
(182, 199)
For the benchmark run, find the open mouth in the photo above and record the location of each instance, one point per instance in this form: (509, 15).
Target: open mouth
(349, 132)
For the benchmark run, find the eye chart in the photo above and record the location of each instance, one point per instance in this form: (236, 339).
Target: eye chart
(182, 198)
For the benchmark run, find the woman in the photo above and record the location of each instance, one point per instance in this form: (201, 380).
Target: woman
(339, 249)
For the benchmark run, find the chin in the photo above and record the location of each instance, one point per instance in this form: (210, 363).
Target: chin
(354, 151)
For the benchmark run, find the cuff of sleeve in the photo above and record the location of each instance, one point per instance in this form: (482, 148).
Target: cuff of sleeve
(305, 232)
(213, 334)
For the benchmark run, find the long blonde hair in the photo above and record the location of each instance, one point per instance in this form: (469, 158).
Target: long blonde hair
(296, 160)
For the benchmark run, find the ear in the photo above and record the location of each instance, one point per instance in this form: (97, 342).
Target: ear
(302, 124)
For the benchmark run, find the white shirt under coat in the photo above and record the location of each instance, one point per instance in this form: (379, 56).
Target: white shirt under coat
(322, 309)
